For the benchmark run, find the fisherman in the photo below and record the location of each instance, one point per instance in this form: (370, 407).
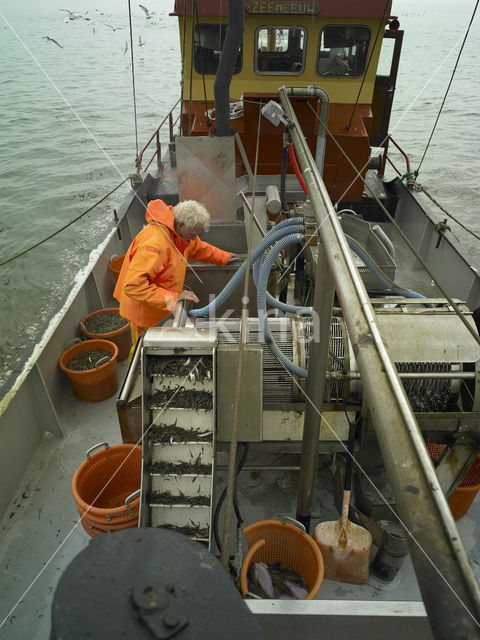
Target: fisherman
(151, 280)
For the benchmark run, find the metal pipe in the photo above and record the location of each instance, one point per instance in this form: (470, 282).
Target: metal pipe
(315, 387)
(132, 372)
(257, 223)
(449, 589)
(221, 87)
(180, 315)
(272, 199)
(322, 95)
(249, 209)
(241, 148)
(260, 467)
(409, 375)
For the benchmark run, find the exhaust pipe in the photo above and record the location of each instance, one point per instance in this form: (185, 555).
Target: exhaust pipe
(233, 39)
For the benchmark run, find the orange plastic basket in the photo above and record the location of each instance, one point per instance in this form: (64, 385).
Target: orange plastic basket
(121, 337)
(276, 541)
(92, 531)
(115, 266)
(103, 484)
(95, 384)
(463, 496)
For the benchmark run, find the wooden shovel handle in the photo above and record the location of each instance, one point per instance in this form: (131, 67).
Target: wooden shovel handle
(345, 508)
(348, 474)
(349, 463)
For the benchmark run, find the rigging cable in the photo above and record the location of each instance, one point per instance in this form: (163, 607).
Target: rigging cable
(192, 53)
(416, 172)
(454, 306)
(183, 64)
(314, 34)
(203, 75)
(133, 82)
(368, 64)
(52, 235)
(418, 187)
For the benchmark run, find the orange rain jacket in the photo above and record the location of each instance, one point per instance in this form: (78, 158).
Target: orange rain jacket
(153, 271)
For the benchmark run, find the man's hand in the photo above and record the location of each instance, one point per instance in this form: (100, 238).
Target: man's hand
(232, 258)
(186, 294)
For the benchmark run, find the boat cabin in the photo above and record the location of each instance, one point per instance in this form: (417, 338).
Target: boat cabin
(296, 44)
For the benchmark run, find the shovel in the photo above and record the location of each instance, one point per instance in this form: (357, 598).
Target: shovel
(345, 546)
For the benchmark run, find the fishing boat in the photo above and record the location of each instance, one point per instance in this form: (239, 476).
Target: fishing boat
(355, 310)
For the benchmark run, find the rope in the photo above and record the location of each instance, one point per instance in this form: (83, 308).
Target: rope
(227, 522)
(368, 64)
(22, 253)
(402, 234)
(133, 82)
(236, 111)
(448, 89)
(418, 187)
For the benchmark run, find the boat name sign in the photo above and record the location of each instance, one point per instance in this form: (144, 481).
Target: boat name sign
(300, 8)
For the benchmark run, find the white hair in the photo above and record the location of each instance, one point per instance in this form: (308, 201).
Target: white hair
(192, 214)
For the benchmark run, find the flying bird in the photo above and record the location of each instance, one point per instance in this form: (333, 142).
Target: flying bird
(74, 15)
(48, 39)
(148, 14)
(112, 28)
(140, 43)
(126, 47)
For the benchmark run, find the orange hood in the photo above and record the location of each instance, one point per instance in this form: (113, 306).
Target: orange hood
(162, 213)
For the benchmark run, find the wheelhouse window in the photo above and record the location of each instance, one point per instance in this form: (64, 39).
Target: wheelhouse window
(208, 46)
(280, 50)
(343, 50)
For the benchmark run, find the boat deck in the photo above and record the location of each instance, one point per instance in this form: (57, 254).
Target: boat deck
(41, 533)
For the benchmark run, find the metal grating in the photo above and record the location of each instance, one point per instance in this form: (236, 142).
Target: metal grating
(278, 386)
(336, 361)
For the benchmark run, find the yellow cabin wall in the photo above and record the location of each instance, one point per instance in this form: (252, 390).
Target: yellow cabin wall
(340, 90)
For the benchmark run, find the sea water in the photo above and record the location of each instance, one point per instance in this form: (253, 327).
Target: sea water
(67, 133)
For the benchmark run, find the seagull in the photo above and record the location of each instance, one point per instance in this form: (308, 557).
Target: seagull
(74, 15)
(148, 14)
(48, 39)
(113, 28)
(140, 43)
(126, 47)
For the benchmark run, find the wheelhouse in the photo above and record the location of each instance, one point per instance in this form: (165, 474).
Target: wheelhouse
(297, 44)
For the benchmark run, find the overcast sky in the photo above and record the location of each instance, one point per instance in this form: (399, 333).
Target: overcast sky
(120, 6)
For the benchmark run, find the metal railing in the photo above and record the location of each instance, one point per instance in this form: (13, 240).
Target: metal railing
(158, 145)
(386, 157)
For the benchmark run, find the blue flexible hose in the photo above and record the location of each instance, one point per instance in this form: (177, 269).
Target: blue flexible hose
(279, 231)
(273, 302)
(262, 303)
